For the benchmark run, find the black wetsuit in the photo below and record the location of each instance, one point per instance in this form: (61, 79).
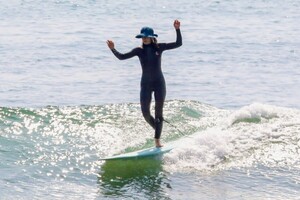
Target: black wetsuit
(152, 78)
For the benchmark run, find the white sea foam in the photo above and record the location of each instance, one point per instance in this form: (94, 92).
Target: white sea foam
(254, 111)
(240, 144)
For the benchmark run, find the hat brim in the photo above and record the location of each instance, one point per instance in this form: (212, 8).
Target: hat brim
(143, 35)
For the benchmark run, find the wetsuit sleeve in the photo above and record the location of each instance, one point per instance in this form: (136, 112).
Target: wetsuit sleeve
(173, 45)
(124, 56)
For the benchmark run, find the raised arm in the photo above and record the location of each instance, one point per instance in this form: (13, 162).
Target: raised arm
(178, 42)
(119, 55)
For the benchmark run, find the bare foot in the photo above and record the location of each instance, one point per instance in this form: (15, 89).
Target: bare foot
(157, 143)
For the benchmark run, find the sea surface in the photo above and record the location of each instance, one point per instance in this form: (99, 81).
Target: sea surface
(232, 100)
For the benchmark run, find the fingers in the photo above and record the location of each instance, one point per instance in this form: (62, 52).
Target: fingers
(110, 44)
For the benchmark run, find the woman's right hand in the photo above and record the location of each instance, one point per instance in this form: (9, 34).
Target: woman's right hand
(110, 44)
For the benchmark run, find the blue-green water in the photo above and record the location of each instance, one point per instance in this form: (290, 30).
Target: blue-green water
(66, 101)
(54, 152)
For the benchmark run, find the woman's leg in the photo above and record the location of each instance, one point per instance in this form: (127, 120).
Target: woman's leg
(160, 95)
(158, 118)
(145, 101)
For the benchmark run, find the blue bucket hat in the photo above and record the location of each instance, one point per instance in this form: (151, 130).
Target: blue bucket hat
(146, 32)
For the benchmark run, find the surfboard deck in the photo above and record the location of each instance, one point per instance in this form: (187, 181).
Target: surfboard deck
(153, 151)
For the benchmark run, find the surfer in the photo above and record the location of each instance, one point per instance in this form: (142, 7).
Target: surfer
(152, 80)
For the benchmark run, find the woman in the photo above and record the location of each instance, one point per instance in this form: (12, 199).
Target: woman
(152, 80)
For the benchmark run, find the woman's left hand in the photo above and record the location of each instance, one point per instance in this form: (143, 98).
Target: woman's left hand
(177, 24)
(110, 44)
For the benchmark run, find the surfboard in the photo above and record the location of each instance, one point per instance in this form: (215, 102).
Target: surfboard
(153, 151)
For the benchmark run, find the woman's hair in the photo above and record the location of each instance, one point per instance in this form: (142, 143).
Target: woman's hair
(154, 42)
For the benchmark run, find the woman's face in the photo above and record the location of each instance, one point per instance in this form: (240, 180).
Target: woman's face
(146, 40)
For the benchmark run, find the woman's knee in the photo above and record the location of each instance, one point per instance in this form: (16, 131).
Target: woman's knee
(146, 115)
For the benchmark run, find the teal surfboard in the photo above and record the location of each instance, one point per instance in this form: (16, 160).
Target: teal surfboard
(154, 151)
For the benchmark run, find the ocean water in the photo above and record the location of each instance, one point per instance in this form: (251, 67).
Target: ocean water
(232, 100)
